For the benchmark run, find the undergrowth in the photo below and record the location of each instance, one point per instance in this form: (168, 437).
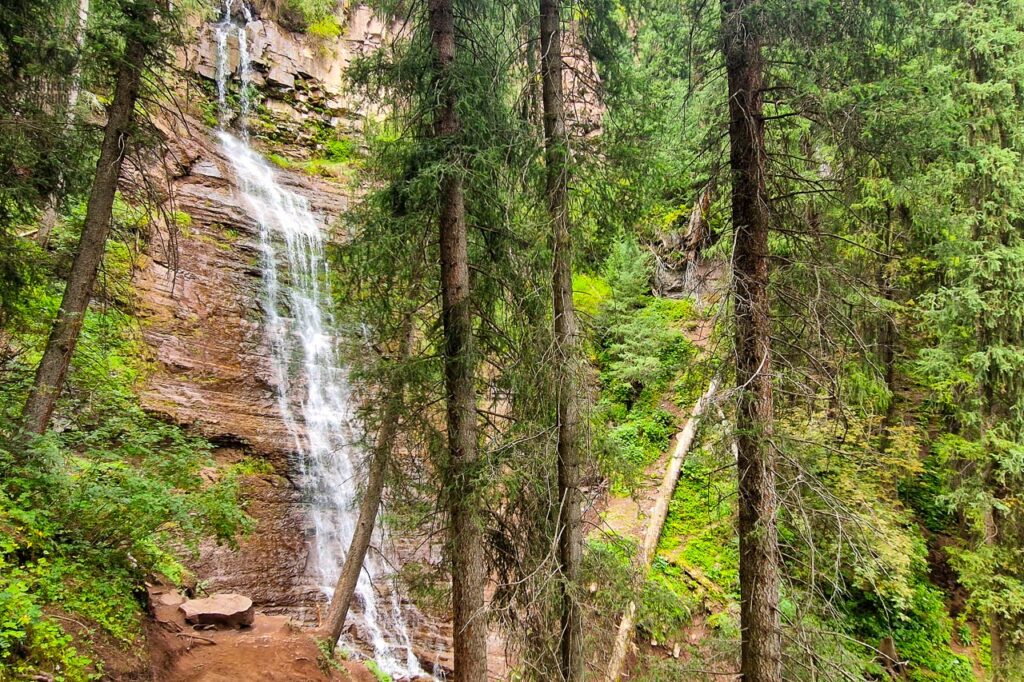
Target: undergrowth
(108, 498)
(639, 347)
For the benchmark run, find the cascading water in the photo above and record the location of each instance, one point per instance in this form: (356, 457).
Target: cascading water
(312, 388)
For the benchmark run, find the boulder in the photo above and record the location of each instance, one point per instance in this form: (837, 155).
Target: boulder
(227, 610)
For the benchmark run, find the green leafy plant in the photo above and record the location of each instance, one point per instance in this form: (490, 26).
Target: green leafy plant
(90, 512)
(325, 28)
(377, 673)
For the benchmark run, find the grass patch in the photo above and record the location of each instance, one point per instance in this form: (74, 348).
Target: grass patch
(698, 544)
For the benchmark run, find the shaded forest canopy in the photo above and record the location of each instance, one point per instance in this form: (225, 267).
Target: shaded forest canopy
(560, 224)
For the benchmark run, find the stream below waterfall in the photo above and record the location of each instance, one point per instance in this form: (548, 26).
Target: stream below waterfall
(313, 393)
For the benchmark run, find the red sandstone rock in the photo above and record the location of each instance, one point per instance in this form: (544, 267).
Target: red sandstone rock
(228, 610)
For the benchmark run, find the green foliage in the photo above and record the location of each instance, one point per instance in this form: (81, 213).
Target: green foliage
(627, 272)
(641, 343)
(29, 641)
(590, 294)
(280, 161)
(640, 348)
(328, 657)
(929, 494)
(642, 353)
(377, 673)
(699, 531)
(973, 363)
(921, 632)
(327, 27)
(302, 15)
(662, 611)
(341, 150)
(340, 160)
(89, 512)
(41, 156)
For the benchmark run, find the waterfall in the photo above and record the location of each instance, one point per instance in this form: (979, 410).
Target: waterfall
(313, 393)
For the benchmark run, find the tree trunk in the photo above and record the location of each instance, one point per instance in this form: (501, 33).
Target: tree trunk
(997, 652)
(658, 515)
(64, 335)
(469, 575)
(761, 649)
(569, 529)
(334, 622)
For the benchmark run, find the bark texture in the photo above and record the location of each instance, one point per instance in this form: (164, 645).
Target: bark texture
(698, 231)
(334, 622)
(469, 575)
(570, 540)
(60, 346)
(761, 650)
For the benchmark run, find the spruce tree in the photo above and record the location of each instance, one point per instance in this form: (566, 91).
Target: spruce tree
(761, 650)
(569, 530)
(977, 319)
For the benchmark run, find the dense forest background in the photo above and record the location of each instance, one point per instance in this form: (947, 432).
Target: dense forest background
(773, 244)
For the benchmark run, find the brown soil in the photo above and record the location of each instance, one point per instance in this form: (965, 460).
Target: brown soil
(273, 649)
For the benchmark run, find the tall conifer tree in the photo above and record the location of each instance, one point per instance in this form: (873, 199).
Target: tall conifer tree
(469, 572)
(570, 542)
(761, 651)
(139, 44)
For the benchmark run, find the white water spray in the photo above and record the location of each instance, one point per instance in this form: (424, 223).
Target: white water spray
(312, 387)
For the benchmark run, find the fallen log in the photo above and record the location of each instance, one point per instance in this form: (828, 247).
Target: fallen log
(684, 439)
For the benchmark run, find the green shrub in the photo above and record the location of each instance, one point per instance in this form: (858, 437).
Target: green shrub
(628, 273)
(327, 27)
(341, 150)
(640, 349)
(590, 293)
(299, 15)
(91, 510)
(921, 632)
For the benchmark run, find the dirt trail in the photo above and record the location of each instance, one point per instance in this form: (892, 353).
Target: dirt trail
(272, 650)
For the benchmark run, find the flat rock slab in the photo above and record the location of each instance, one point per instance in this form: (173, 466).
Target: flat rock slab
(172, 598)
(225, 610)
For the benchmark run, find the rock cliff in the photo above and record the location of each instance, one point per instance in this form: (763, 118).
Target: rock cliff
(199, 303)
(301, 77)
(199, 288)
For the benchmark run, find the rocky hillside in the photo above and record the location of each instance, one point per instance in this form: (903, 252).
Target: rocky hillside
(200, 285)
(199, 294)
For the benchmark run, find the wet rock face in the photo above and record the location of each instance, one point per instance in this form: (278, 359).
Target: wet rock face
(301, 76)
(280, 56)
(198, 301)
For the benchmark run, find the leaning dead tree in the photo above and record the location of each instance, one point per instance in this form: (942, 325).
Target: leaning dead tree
(334, 622)
(684, 440)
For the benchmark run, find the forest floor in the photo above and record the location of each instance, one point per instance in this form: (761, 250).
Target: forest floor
(272, 649)
(625, 516)
(618, 516)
